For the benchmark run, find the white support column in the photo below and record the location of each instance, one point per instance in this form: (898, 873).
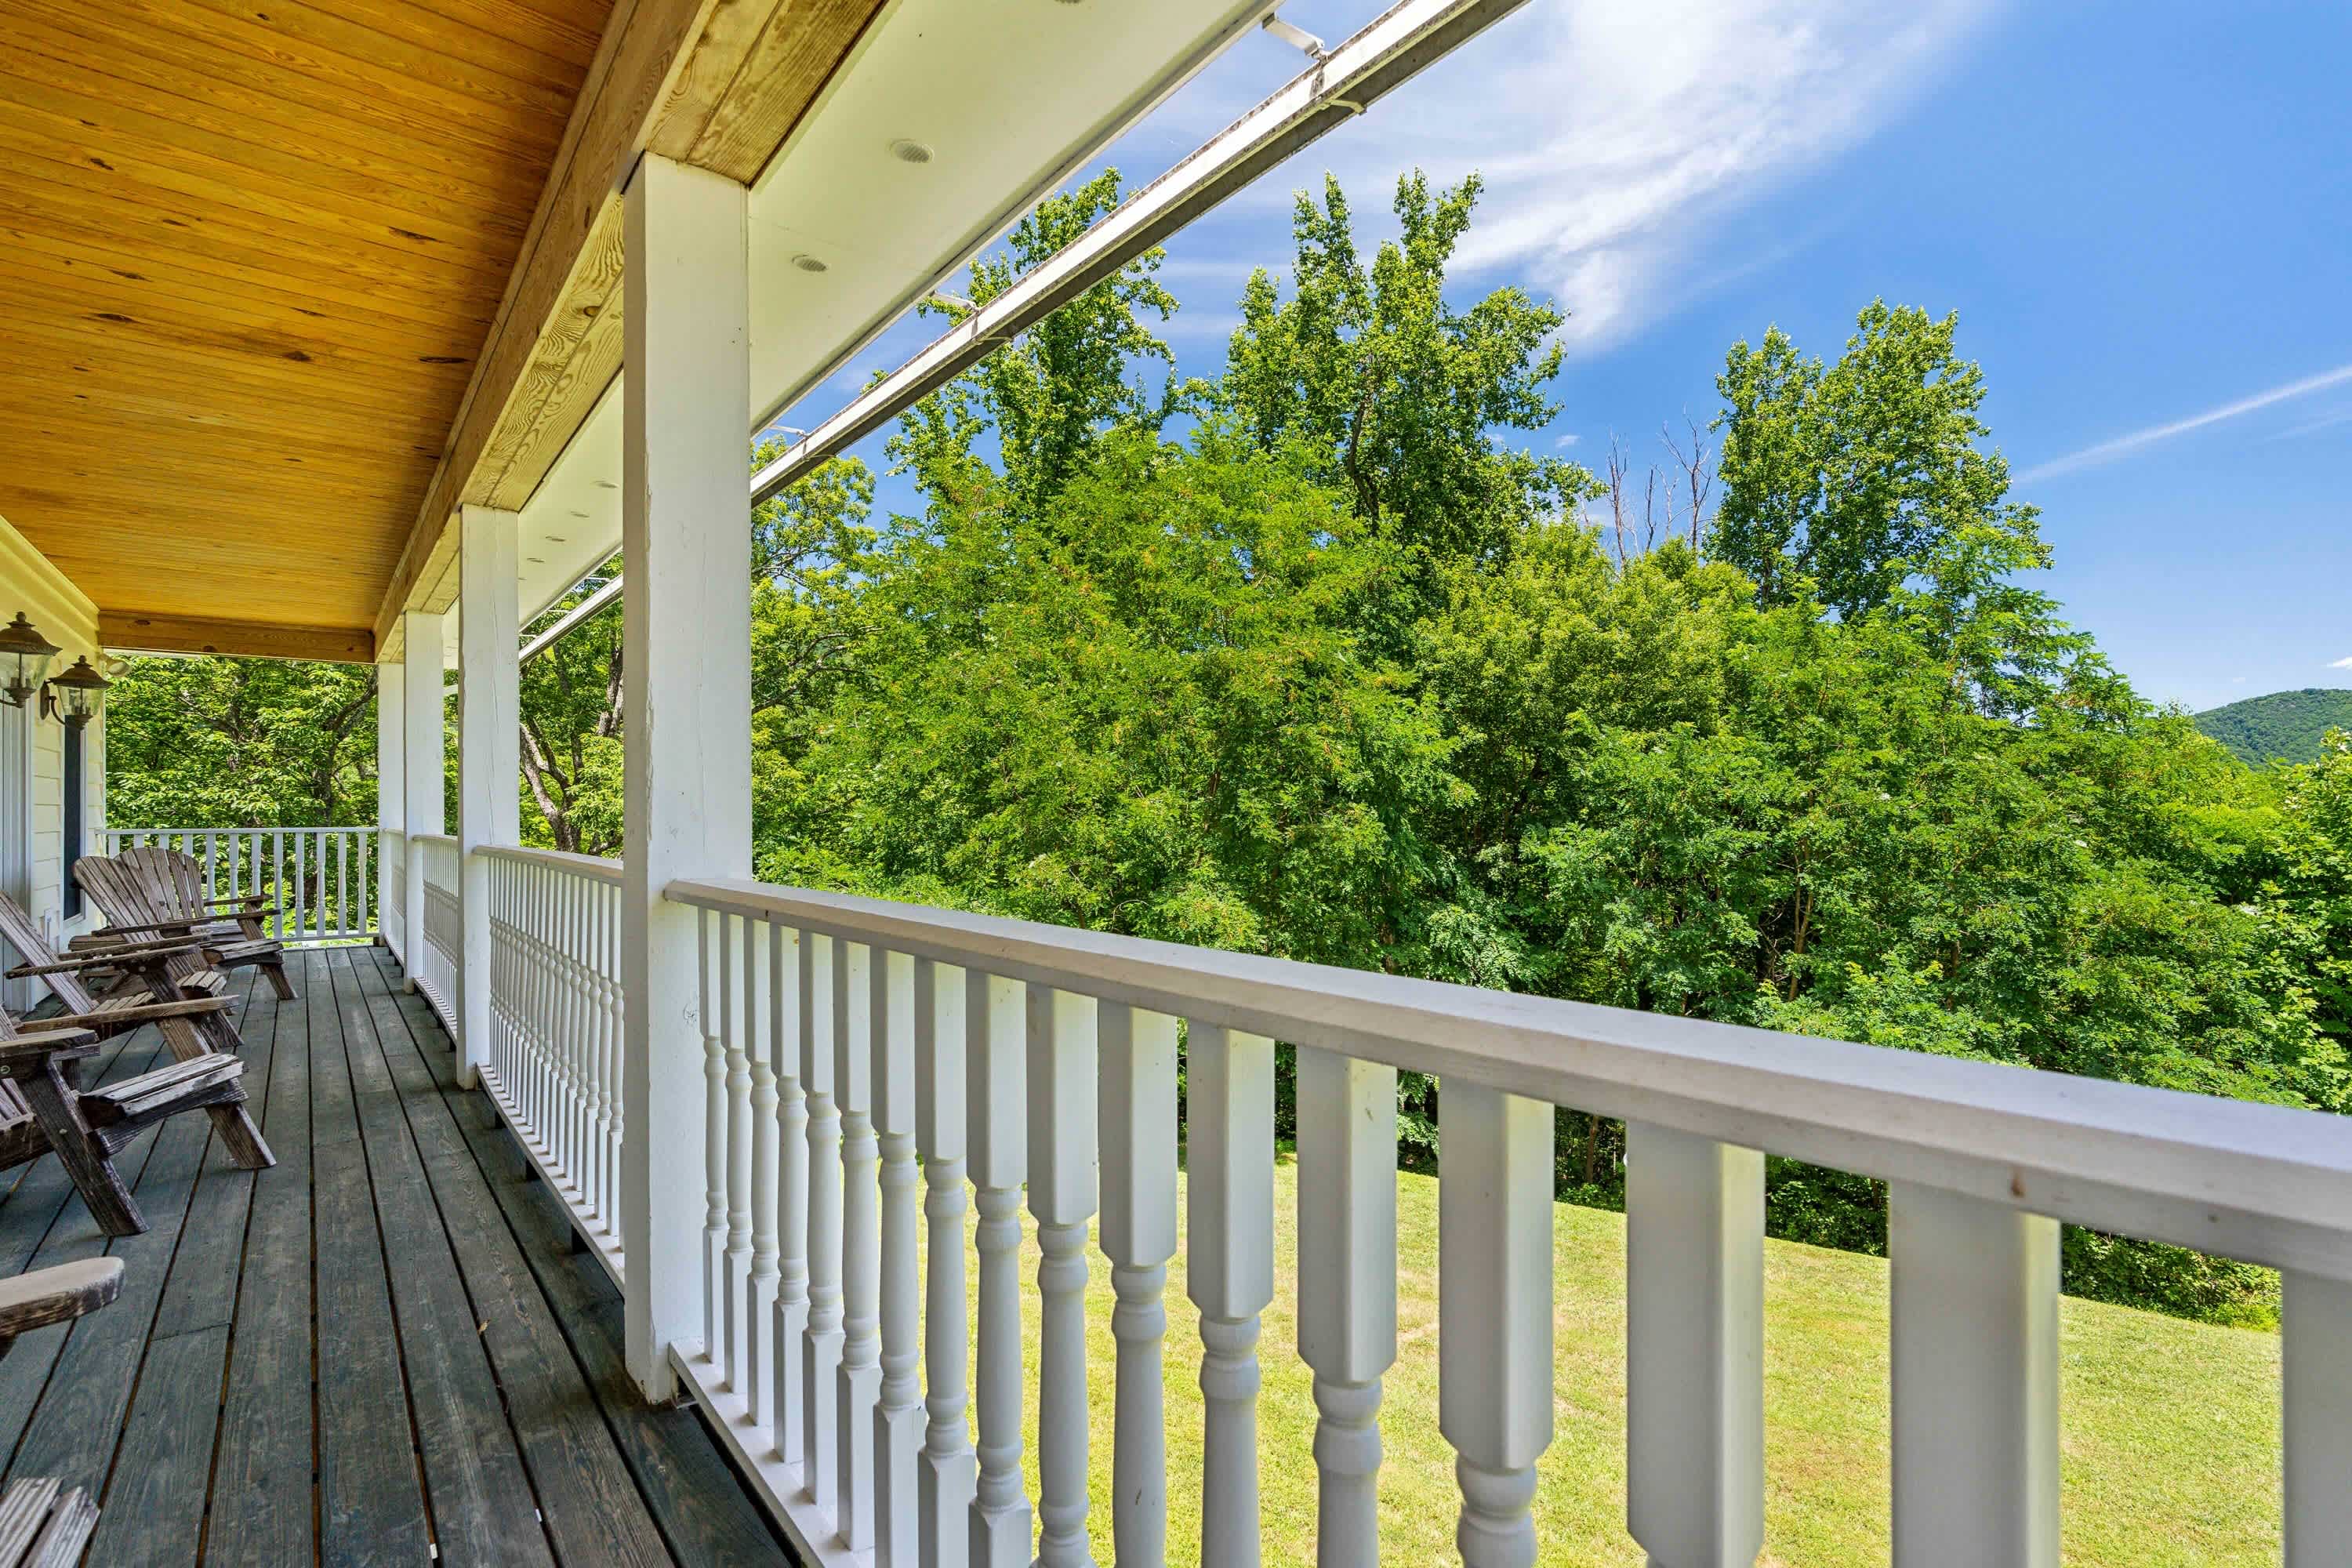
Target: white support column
(421, 762)
(2315, 1367)
(1062, 1197)
(1973, 1303)
(1347, 1286)
(686, 691)
(1136, 1112)
(390, 793)
(489, 753)
(1229, 1118)
(1694, 1348)
(996, 1130)
(1494, 1312)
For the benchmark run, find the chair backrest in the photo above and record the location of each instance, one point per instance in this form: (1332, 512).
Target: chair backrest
(174, 878)
(24, 934)
(118, 895)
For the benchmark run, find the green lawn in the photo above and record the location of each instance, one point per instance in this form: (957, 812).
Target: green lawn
(2170, 1428)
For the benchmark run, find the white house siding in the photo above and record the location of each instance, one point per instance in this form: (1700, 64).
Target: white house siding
(65, 616)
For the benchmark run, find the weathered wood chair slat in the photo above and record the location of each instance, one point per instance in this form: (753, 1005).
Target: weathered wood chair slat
(41, 1524)
(195, 1023)
(149, 894)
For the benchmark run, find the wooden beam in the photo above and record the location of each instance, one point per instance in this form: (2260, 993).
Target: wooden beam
(716, 83)
(130, 631)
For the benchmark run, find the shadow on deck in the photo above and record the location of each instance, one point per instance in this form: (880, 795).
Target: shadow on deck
(382, 1347)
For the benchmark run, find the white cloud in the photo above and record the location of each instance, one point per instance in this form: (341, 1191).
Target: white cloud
(1565, 442)
(1615, 136)
(2108, 451)
(2341, 664)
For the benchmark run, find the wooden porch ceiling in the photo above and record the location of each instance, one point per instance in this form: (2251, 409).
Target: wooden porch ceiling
(286, 280)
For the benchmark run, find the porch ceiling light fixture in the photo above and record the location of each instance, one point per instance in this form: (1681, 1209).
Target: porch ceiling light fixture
(24, 656)
(74, 698)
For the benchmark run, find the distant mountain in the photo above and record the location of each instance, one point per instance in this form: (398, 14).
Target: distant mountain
(2285, 726)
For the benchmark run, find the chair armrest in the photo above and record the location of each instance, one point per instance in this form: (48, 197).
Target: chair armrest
(27, 1053)
(58, 1295)
(239, 899)
(143, 923)
(129, 956)
(114, 1019)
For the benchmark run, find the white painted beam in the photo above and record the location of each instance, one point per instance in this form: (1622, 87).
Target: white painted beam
(489, 761)
(687, 703)
(421, 747)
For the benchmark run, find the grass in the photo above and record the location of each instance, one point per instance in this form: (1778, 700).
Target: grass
(2170, 1428)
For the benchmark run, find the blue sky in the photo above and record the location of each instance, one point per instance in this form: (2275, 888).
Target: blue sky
(2143, 213)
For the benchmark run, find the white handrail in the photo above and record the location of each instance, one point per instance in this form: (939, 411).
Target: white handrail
(1040, 1064)
(321, 884)
(2263, 1182)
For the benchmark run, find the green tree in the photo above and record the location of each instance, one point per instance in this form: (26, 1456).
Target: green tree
(240, 742)
(1841, 482)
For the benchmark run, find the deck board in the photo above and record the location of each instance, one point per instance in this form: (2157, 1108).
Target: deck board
(456, 1390)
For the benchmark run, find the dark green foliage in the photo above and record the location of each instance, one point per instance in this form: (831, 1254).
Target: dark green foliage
(2284, 727)
(240, 742)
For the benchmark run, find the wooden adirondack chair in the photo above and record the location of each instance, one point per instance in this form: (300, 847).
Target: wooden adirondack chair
(42, 1526)
(151, 894)
(43, 1107)
(191, 1018)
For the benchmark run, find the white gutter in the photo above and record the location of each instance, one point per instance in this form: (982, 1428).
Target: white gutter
(1390, 50)
(610, 591)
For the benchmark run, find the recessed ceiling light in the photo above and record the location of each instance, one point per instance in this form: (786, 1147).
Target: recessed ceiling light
(534, 560)
(910, 151)
(555, 538)
(607, 485)
(807, 263)
(580, 514)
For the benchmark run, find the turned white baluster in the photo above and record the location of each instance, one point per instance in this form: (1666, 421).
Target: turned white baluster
(995, 1075)
(2316, 1370)
(616, 1041)
(1973, 1306)
(730, 936)
(787, 1377)
(898, 1412)
(1136, 1110)
(1494, 1312)
(1229, 1122)
(714, 1142)
(1694, 1348)
(821, 1339)
(946, 1469)
(1062, 1052)
(860, 1379)
(757, 1378)
(1347, 1287)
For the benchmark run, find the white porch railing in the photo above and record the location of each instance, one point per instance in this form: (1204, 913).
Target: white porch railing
(859, 1052)
(322, 881)
(393, 923)
(554, 1058)
(435, 972)
(848, 1039)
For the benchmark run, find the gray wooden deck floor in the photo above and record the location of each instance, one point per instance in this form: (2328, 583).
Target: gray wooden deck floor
(379, 1351)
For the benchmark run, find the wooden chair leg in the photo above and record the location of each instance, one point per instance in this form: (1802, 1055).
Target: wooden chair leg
(240, 1137)
(188, 1038)
(275, 969)
(51, 1096)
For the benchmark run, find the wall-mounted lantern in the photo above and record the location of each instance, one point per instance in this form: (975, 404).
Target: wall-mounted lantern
(24, 656)
(74, 696)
